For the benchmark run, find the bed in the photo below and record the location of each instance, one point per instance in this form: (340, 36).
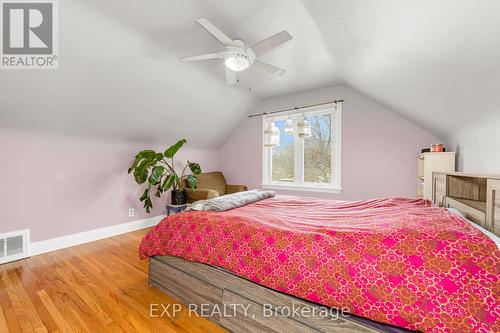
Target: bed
(386, 265)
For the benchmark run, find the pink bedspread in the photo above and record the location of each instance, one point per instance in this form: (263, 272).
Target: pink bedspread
(397, 261)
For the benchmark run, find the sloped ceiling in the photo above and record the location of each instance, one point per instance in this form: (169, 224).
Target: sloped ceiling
(436, 62)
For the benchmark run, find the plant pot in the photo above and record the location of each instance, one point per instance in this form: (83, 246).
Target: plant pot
(179, 197)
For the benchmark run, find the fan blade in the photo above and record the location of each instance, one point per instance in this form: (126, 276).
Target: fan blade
(270, 43)
(214, 31)
(200, 57)
(230, 76)
(268, 68)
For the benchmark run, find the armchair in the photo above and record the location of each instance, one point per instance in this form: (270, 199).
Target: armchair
(211, 185)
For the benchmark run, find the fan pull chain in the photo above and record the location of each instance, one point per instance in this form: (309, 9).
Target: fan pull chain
(238, 72)
(250, 79)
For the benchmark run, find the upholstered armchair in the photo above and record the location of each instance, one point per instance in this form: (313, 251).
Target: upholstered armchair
(211, 185)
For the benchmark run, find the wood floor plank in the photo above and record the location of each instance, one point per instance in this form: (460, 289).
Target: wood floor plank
(136, 309)
(85, 293)
(30, 284)
(59, 296)
(54, 312)
(107, 301)
(66, 298)
(95, 287)
(8, 309)
(28, 305)
(17, 304)
(3, 322)
(128, 320)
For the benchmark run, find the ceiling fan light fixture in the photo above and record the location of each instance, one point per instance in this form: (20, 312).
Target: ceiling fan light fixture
(237, 62)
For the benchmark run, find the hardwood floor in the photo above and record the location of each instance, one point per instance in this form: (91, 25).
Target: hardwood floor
(95, 287)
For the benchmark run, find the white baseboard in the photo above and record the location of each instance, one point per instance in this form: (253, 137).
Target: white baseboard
(62, 242)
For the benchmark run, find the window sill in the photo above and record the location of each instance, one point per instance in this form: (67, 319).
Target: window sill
(302, 188)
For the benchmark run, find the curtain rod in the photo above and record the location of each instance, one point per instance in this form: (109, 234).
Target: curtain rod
(295, 108)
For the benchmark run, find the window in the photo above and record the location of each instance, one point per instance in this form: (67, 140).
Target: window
(305, 163)
(283, 156)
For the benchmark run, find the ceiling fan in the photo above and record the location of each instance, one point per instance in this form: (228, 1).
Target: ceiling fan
(237, 56)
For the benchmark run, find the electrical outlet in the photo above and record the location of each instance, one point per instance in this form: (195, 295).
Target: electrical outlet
(131, 212)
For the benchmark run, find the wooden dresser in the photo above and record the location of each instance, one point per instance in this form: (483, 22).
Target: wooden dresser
(477, 196)
(429, 163)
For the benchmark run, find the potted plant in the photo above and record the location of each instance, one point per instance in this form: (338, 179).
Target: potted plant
(158, 170)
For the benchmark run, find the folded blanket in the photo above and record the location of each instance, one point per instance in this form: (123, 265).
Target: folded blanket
(231, 201)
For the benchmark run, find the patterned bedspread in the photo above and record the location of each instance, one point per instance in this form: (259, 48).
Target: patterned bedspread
(395, 260)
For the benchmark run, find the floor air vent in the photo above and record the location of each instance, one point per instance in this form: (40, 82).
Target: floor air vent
(14, 245)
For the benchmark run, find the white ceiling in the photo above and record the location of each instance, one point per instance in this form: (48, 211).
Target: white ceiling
(171, 27)
(436, 62)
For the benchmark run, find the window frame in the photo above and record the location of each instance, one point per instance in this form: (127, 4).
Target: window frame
(335, 186)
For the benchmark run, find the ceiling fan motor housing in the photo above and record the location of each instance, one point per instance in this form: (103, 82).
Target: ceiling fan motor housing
(238, 57)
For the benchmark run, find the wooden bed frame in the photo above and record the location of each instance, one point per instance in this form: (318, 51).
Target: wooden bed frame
(476, 196)
(195, 284)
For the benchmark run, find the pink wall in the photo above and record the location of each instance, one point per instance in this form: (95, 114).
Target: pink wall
(59, 185)
(379, 148)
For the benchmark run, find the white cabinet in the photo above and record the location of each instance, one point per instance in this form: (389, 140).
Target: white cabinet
(429, 163)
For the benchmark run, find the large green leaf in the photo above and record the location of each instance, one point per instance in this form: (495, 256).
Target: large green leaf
(156, 174)
(145, 162)
(195, 168)
(143, 159)
(148, 204)
(141, 171)
(192, 181)
(168, 182)
(134, 165)
(172, 150)
(145, 153)
(140, 175)
(145, 194)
